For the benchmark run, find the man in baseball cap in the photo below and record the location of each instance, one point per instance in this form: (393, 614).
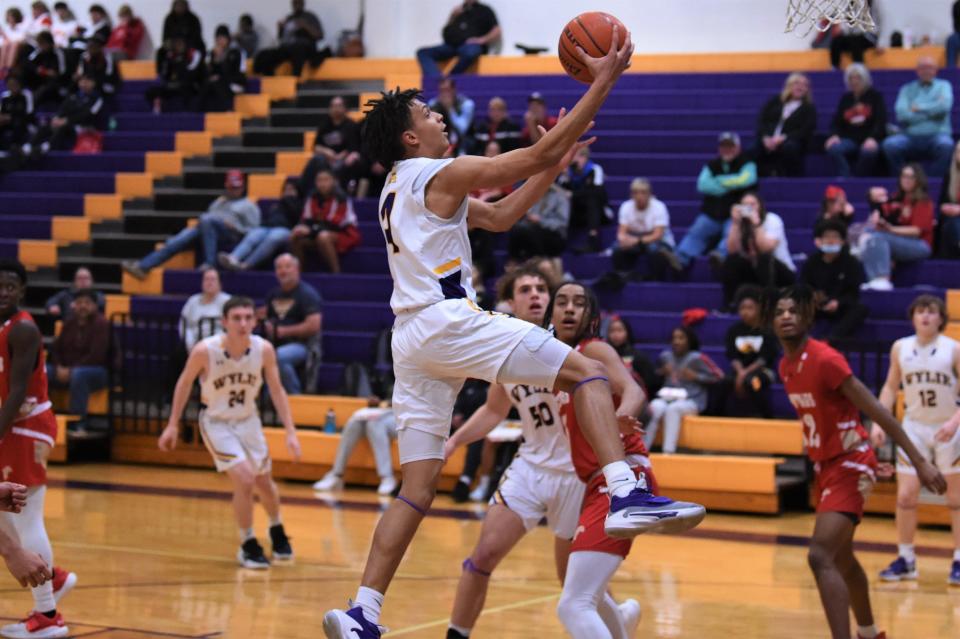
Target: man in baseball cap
(535, 117)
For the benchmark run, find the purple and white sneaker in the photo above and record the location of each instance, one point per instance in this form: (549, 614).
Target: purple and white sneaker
(900, 570)
(954, 578)
(351, 624)
(643, 512)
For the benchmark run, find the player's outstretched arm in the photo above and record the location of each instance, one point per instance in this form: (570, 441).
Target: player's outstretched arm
(888, 394)
(632, 397)
(854, 390)
(483, 420)
(196, 362)
(278, 395)
(24, 342)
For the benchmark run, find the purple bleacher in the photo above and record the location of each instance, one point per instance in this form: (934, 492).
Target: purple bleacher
(9, 248)
(108, 161)
(139, 87)
(62, 182)
(162, 122)
(342, 287)
(26, 227)
(40, 203)
(141, 141)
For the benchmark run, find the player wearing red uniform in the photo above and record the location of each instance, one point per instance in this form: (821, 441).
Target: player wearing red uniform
(28, 431)
(586, 608)
(828, 399)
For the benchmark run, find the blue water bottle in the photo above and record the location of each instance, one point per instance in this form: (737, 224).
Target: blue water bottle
(330, 425)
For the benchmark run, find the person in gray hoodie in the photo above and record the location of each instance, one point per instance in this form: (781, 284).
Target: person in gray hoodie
(687, 373)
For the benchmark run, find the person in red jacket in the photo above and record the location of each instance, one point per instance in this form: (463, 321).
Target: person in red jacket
(126, 37)
(328, 223)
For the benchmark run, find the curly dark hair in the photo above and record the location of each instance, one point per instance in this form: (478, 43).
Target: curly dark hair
(590, 325)
(801, 294)
(385, 122)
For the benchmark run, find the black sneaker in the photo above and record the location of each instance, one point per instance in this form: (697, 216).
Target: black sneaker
(461, 492)
(280, 544)
(251, 555)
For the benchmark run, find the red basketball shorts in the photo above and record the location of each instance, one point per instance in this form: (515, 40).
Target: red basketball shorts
(590, 534)
(26, 447)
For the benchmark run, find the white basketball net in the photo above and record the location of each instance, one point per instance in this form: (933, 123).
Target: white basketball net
(803, 16)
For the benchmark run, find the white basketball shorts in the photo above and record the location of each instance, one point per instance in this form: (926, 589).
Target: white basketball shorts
(232, 442)
(945, 456)
(533, 493)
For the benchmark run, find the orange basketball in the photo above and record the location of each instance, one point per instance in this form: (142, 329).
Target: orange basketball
(592, 31)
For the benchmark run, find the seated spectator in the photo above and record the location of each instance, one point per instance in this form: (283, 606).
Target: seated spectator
(785, 128)
(752, 352)
(65, 25)
(379, 426)
(336, 147)
(948, 223)
(13, 33)
(182, 23)
(226, 74)
(923, 112)
(246, 36)
(687, 373)
(482, 241)
(858, 126)
(228, 218)
(542, 232)
(99, 25)
(97, 63)
(201, 314)
(470, 29)
(299, 35)
(722, 182)
(644, 229)
(902, 229)
(40, 21)
(17, 118)
(852, 40)
(293, 321)
(60, 304)
(536, 116)
(80, 354)
(584, 179)
(620, 336)
(835, 277)
(81, 111)
(180, 70)
(328, 223)
(458, 108)
(757, 251)
(263, 242)
(496, 127)
(493, 193)
(45, 71)
(953, 40)
(127, 35)
(835, 206)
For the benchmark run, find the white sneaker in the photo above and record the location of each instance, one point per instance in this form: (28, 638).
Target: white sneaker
(878, 284)
(479, 494)
(387, 485)
(329, 483)
(630, 613)
(36, 626)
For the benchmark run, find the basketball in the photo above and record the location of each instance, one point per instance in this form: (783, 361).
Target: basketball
(592, 31)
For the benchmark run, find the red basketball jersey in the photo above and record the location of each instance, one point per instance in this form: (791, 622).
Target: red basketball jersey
(831, 423)
(585, 461)
(36, 400)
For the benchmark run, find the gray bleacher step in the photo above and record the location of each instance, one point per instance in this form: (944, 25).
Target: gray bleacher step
(320, 99)
(227, 141)
(185, 199)
(124, 245)
(343, 85)
(290, 138)
(212, 177)
(296, 117)
(138, 203)
(198, 160)
(248, 157)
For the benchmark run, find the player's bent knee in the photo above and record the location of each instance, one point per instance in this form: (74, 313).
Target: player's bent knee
(819, 558)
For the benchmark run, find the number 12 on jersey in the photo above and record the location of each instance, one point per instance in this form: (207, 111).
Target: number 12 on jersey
(385, 220)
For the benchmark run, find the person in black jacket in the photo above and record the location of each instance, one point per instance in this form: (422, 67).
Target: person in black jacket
(835, 277)
(16, 115)
(45, 71)
(95, 62)
(496, 127)
(953, 40)
(181, 22)
(752, 352)
(471, 28)
(299, 38)
(858, 126)
(226, 72)
(181, 71)
(81, 110)
(785, 128)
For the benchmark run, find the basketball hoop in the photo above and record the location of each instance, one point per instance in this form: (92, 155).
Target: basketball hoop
(803, 16)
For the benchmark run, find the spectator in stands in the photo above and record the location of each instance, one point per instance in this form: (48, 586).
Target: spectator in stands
(99, 25)
(644, 229)
(458, 107)
(923, 112)
(336, 147)
(226, 74)
(620, 336)
(542, 232)
(902, 229)
(17, 117)
(757, 251)
(45, 71)
(246, 36)
(496, 127)
(14, 33)
(97, 63)
(584, 180)
(263, 242)
(65, 25)
(687, 373)
(60, 304)
(80, 111)
(183, 23)
(180, 69)
(40, 21)
(293, 321)
(835, 206)
(328, 223)
(722, 182)
(379, 426)
(201, 315)
(127, 35)
(859, 125)
(80, 354)
(785, 129)
(482, 241)
(852, 40)
(835, 277)
(953, 40)
(493, 193)
(299, 35)
(536, 116)
(228, 218)
(949, 221)
(470, 29)
(752, 352)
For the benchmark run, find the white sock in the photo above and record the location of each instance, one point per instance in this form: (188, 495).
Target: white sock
(370, 601)
(620, 479)
(484, 483)
(29, 526)
(43, 600)
(459, 629)
(867, 632)
(907, 552)
(466, 479)
(275, 521)
(956, 554)
(246, 533)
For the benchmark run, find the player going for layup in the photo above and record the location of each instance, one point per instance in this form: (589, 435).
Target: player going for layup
(232, 367)
(441, 337)
(28, 430)
(586, 608)
(828, 399)
(927, 365)
(540, 481)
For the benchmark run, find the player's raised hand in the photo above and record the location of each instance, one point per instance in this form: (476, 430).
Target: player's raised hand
(608, 69)
(293, 446)
(930, 477)
(168, 438)
(27, 567)
(13, 497)
(946, 432)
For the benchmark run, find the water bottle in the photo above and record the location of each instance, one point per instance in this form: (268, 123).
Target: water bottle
(330, 425)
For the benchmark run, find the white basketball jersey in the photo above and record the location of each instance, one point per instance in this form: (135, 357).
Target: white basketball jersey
(545, 442)
(429, 257)
(229, 387)
(929, 380)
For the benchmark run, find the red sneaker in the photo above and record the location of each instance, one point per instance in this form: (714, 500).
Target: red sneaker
(36, 626)
(63, 582)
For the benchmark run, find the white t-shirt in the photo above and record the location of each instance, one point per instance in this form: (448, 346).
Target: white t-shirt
(196, 310)
(641, 222)
(773, 226)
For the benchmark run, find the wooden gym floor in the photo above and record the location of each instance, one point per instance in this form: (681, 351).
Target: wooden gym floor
(154, 551)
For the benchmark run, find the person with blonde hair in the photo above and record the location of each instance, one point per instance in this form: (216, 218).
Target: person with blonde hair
(859, 125)
(785, 128)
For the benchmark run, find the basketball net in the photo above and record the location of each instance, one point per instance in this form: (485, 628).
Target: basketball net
(803, 16)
